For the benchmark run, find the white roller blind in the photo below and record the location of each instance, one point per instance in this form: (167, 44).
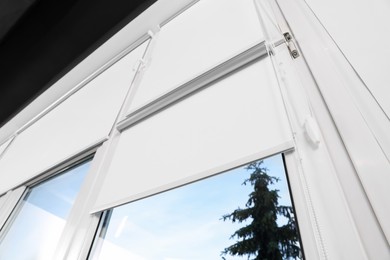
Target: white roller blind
(80, 121)
(236, 120)
(205, 35)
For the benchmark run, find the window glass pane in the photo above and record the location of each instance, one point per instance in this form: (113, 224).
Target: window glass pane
(35, 228)
(200, 220)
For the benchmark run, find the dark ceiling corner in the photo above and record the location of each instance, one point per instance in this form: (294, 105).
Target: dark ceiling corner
(41, 40)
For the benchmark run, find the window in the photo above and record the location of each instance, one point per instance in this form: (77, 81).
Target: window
(34, 229)
(199, 220)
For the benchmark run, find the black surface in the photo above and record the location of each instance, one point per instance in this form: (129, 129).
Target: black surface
(44, 39)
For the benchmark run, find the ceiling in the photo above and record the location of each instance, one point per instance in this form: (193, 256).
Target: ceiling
(41, 40)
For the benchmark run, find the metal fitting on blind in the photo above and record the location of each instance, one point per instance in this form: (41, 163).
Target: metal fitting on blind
(291, 45)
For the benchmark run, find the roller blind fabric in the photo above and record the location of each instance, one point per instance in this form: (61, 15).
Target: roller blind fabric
(82, 120)
(238, 119)
(208, 33)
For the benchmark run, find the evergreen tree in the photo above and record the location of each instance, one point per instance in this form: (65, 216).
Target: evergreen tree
(263, 239)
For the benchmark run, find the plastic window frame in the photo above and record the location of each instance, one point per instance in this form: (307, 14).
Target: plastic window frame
(315, 229)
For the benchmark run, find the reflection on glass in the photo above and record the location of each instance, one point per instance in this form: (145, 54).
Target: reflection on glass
(35, 229)
(240, 214)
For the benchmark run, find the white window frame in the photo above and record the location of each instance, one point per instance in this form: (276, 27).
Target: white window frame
(355, 221)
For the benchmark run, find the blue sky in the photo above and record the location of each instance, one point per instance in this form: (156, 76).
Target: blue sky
(42, 217)
(57, 194)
